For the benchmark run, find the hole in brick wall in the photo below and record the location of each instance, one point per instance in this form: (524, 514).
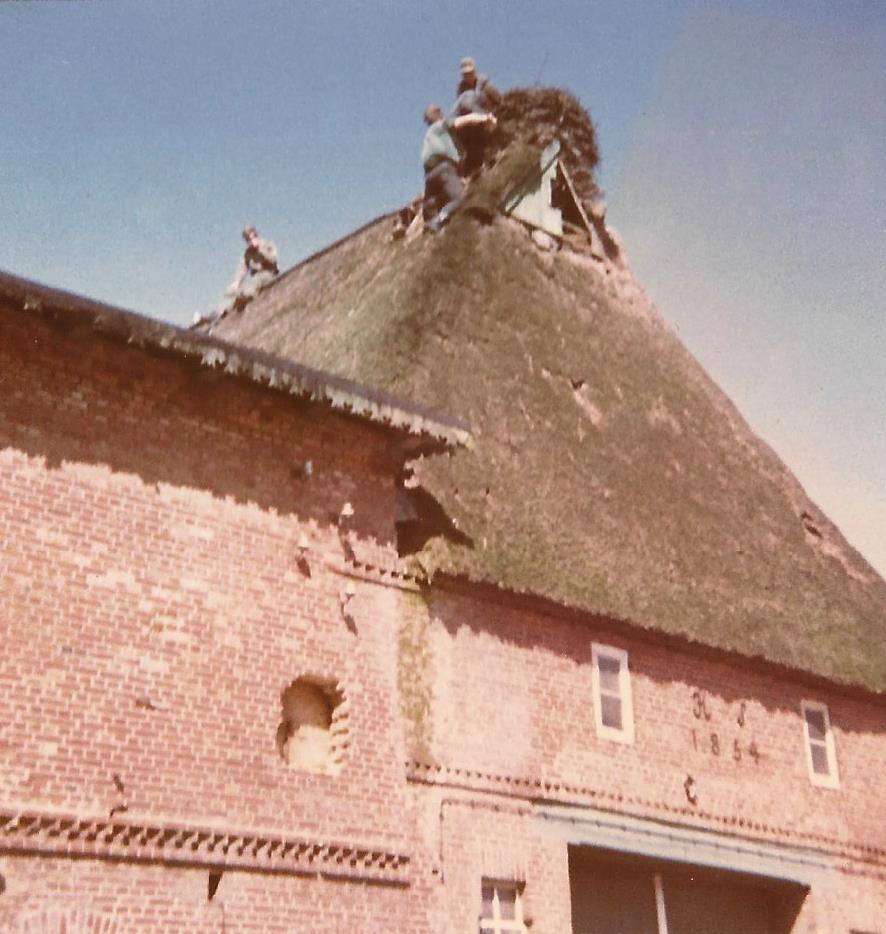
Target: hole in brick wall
(212, 888)
(313, 733)
(2, 884)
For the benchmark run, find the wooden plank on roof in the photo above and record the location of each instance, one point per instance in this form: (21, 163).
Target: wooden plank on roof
(576, 200)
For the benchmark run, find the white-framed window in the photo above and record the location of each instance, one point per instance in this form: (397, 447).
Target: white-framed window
(821, 753)
(501, 908)
(613, 707)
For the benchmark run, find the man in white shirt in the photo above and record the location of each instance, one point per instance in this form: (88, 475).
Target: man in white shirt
(444, 189)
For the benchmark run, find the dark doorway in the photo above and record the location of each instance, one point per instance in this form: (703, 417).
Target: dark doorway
(617, 894)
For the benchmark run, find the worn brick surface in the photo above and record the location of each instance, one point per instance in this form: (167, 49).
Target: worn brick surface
(44, 895)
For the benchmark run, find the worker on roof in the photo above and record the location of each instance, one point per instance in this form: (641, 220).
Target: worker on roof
(440, 157)
(479, 88)
(474, 94)
(256, 271)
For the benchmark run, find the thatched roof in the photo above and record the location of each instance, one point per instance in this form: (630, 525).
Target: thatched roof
(608, 472)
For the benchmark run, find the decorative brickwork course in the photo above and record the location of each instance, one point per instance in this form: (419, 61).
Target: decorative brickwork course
(57, 835)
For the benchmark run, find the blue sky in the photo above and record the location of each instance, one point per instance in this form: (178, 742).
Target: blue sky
(743, 153)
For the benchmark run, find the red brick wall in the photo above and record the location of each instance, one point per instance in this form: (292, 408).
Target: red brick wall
(155, 603)
(119, 898)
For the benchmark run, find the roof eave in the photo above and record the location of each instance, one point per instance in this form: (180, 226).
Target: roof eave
(432, 429)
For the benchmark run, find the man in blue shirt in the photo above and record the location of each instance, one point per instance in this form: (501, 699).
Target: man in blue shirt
(444, 189)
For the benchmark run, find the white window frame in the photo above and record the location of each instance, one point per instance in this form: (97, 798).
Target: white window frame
(832, 779)
(496, 924)
(626, 733)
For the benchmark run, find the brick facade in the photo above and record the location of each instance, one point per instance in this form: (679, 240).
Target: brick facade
(513, 719)
(169, 568)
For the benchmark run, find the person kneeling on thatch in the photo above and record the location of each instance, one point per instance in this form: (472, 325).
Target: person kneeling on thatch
(256, 271)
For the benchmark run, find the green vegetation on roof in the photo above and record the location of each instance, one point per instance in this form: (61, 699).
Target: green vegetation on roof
(537, 116)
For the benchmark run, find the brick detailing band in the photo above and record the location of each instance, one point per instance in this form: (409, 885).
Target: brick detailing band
(565, 793)
(63, 835)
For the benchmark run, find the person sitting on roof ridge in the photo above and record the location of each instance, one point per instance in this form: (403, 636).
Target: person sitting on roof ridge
(474, 94)
(256, 270)
(444, 189)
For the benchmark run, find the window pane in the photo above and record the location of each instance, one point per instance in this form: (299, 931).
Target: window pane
(610, 711)
(816, 724)
(507, 898)
(486, 909)
(819, 759)
(609, 669)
